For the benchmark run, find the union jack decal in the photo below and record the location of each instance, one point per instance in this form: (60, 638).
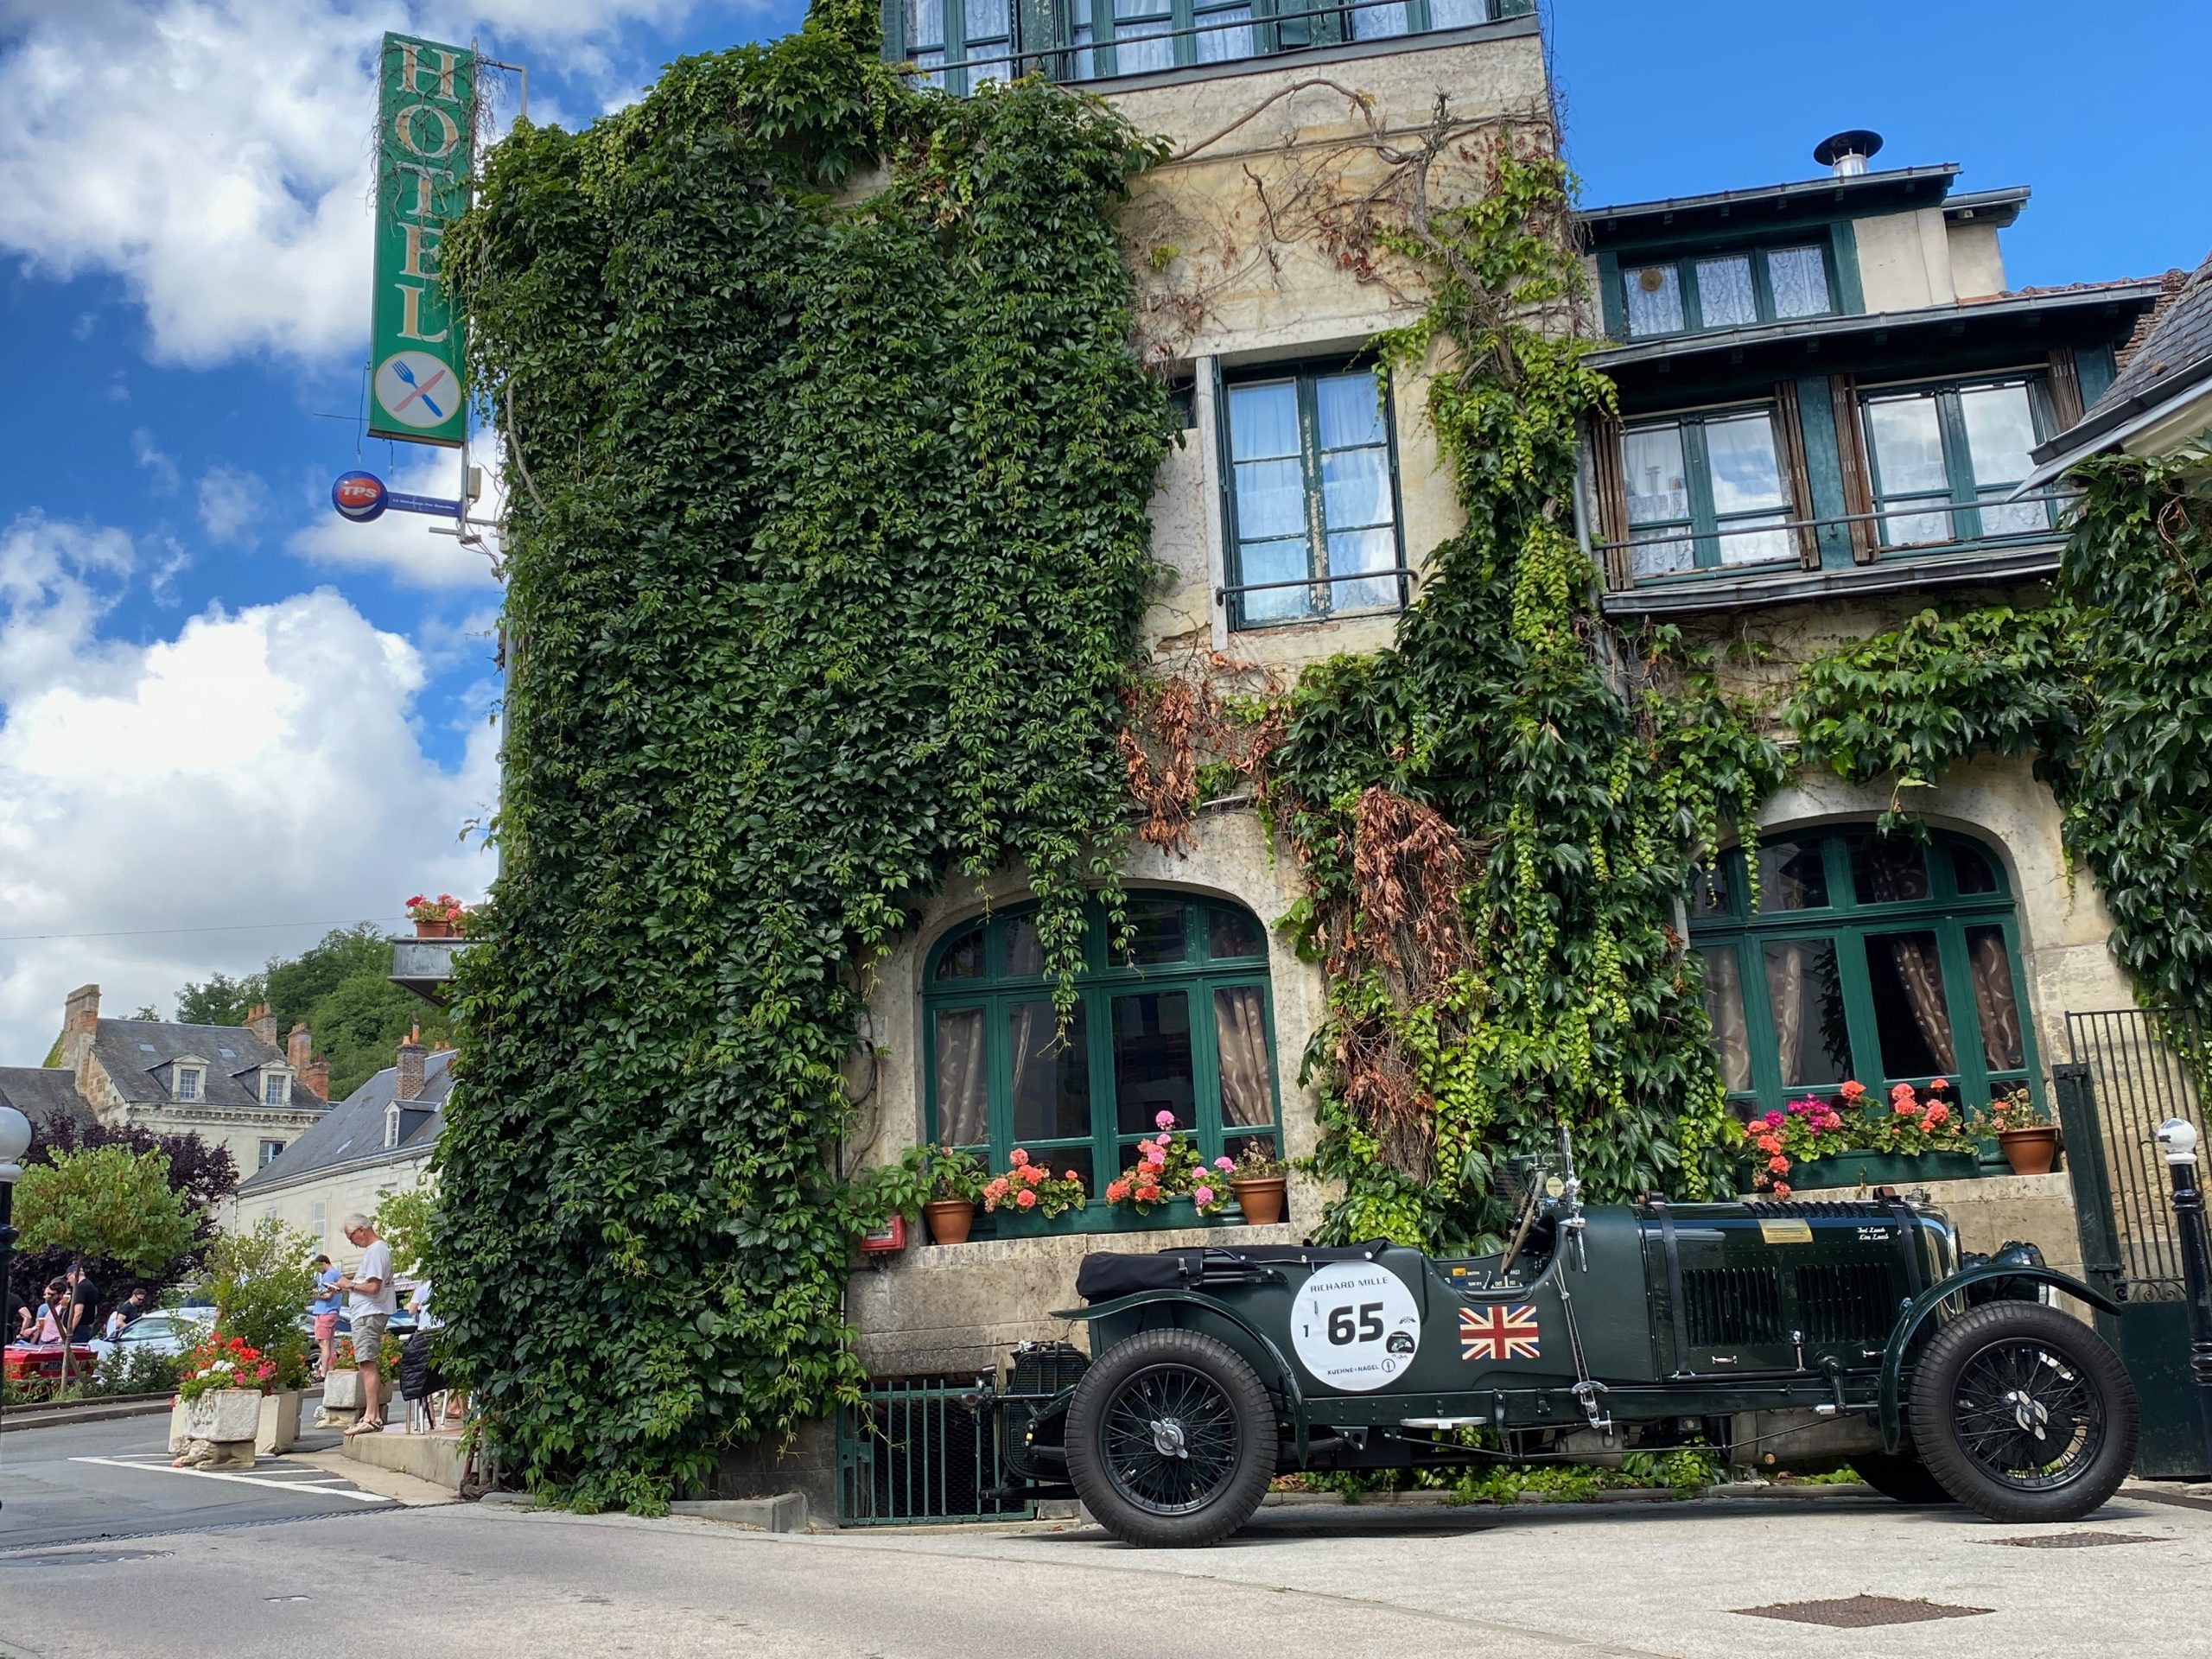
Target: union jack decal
(1499, 1333)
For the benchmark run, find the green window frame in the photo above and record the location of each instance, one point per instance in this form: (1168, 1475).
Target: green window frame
(1880, 981)
(1196, 979)
(934, 34)
(1963, 419)
(1660, 293)
(1686, 478)
(1312, 522)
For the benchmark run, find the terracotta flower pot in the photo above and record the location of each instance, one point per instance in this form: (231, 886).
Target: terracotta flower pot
(1261, 1200)
(950, 1219)
(2030, 1151)
(434, 929)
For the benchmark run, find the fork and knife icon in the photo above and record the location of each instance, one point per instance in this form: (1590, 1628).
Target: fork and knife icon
(422, 389)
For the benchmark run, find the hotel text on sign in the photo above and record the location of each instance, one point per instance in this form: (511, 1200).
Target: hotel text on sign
(426, 128)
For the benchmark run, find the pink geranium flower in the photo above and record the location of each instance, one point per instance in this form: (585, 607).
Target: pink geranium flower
(1165, 1120)
(1203, 1194)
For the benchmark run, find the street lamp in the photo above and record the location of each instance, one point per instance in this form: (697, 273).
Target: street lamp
(15, 1142)
(2177, 1142)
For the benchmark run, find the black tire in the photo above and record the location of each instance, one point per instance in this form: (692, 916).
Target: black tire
(1171, 1440)
(1903, 1478)
(2023, 1414)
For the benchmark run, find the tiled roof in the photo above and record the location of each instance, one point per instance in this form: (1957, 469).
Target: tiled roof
(43, 1094)
(2178, 337)
(137, 1054)
(351, 1132)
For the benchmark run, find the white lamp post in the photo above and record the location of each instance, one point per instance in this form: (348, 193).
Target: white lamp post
(2178, 1144)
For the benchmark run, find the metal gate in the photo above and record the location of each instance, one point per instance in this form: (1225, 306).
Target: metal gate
(2131, 1070)
(912, 1454)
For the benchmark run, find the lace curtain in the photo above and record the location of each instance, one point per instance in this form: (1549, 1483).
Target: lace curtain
(1240, 1038)
(962, 1106)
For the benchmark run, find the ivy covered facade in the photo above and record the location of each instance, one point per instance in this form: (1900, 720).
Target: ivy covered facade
(1226, 603)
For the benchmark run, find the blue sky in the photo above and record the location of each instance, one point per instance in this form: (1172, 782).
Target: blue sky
(221, 706)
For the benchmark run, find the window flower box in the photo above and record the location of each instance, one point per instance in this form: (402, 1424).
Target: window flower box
(1884, 1169)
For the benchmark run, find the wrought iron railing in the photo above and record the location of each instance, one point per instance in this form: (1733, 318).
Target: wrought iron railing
(1669, 535)
(912, 1454)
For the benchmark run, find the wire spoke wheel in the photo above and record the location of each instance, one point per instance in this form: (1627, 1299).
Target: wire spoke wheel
(1171, 1440)
(2023, 1413)
(2026, 1415)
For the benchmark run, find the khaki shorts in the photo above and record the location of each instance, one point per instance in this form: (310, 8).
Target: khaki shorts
(368, 1338)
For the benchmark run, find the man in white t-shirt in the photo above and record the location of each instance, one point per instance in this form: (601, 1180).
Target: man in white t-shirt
(371, 1301)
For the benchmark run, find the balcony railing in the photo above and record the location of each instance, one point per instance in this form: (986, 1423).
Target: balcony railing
(1074, 48)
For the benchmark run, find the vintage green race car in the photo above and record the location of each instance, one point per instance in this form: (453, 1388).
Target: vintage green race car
(1835, 1331)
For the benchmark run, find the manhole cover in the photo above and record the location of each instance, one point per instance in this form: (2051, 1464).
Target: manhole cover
(2079, 1540)
(81, 1558)
(1859, 1612)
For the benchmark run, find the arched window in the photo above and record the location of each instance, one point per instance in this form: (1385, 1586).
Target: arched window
(1181, 1020)
(1886, 958)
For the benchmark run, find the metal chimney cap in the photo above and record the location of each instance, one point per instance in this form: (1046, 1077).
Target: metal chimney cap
(1838, 153)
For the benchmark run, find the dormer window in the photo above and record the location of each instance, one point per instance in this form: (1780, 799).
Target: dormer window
(188, 1081)
(392, 1126)
(1735, 289)
(275, 1088)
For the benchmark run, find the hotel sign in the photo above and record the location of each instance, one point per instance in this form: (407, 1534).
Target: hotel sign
(426, 128)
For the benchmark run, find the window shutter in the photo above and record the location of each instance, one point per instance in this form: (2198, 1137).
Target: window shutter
(2065, 388)
(1612, 502)
(1793, 461)
(1857, 480)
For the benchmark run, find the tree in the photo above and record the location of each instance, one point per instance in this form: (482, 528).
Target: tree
(261, 1281)
(204, 1175)
(107, 1203)
(404, 1221)
(220, 1000)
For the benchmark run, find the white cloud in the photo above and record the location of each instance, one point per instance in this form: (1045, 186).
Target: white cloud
(262, 765)
(215, 154)
(402, 545)
(151, 459)
(233, 501)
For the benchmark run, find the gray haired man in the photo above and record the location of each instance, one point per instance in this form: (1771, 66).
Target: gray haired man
(369, 1303)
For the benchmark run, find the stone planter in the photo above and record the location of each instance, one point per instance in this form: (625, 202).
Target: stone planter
(279, 1429)
(1883, 1169)
(1261, 1200)
(2029, 1152)
(220, 1429)
(342, 1389)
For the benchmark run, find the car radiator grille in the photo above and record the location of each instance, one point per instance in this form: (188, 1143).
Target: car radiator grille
(1846, 1301)
(1728, 1307)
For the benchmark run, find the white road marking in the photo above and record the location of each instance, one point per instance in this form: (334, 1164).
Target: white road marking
(242, 1480)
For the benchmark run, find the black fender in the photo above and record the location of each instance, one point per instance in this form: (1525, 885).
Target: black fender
(1922, 1307)
(1293, 1397)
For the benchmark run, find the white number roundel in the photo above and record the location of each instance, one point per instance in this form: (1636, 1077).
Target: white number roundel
(1355, 1326)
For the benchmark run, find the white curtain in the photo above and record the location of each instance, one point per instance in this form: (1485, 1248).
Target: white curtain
(1240, 1038)
(963, 1105)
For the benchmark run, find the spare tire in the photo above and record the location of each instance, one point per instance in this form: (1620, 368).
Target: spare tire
(1171, 1440)
(2023, 1413)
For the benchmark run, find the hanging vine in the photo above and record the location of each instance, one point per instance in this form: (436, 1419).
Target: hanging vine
(826, 577)
(1497, 820)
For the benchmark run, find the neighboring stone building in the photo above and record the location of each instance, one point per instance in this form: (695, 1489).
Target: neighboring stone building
(378, 1139)
(231, 1085)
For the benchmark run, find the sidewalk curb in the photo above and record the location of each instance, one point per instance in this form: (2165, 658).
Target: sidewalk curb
(19, 1418)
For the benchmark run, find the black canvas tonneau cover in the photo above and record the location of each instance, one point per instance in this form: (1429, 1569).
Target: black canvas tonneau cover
(1105, 1275)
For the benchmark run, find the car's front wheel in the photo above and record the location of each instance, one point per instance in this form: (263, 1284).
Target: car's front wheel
(2024, 1413)
(1171, 1440)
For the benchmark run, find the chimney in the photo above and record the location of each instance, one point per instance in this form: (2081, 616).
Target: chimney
(1846, 154)
(407, 1081)
(299, 1048)
(81, 1023)
(316, 1076)
(262, 1023)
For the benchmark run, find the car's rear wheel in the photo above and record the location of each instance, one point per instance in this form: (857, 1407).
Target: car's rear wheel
(1903, 1478)
(2024, 1413)
(1171, 1440)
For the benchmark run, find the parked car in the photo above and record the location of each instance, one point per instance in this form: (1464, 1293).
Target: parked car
(165, 1331)
(1851, 1330)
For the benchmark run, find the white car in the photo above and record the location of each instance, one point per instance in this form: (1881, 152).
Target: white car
(162, 1331)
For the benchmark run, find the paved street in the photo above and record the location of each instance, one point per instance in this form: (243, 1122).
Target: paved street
(113, 1480)
(1530, 1583)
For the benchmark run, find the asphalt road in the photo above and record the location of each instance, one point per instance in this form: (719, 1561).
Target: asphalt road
(112, 1480)
(1526, 1583)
